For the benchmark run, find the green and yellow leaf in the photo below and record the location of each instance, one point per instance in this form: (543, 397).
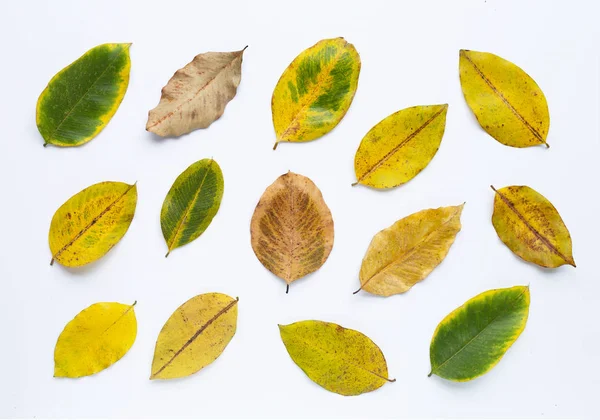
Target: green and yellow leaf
(191, 203)
(82, 98)
(91, 222)
(315, 91)
(531, 227)
(340, 360)
(405, 253)
(95, 339)
(292, 228)
(400, 146)
(194, 336)
(507, 102)
(472, 339)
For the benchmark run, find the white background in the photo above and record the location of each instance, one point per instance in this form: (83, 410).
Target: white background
(409, 53)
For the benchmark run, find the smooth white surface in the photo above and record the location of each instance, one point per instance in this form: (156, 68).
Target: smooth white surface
(409, 53)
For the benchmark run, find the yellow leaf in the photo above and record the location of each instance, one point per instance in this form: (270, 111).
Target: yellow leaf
(315, 91)
(95, 339)
(406, 252)
(531, 227)
(400, 146)
(507, 102)
(292, 228)
(194, 336)
(91, 222)
(341, 360)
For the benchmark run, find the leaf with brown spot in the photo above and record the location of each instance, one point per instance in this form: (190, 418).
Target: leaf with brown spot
(197, 94)
(292, 228)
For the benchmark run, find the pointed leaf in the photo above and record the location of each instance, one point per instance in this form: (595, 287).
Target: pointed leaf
(191, 203)
(82, 98)
(315, 91)
(340, 360)
(95, 339)
(194, 336)
(531, 227)
(292, 228)
(400, 146)
(472, 339)
(508, 104)
(91, 222)
(197, 94)
(406, 252)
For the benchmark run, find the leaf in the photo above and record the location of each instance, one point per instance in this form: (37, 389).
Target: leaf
(406, 252)
(83, 97)
(197, 94)
(292, 228)
(400, 146)
(472, 339)
(340, 360)
(315, 91)
(531, 227)
(91, 222)
(191, 203)
(508, 104)
(95, 339)
(194, 336)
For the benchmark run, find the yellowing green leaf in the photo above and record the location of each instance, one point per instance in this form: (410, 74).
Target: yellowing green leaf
(95, 339)
(406, 252)
(508, 104)
(194, 336)
(82, 98)
(400, 146)
(292, 228)
(341, 360)
(197, 94)
(91, 222)
(191, 203)
(315, 91)
(472, 339)
(531, 227)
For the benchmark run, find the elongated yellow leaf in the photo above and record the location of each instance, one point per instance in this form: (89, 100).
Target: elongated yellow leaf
(315, 91)
(197, 94)
(95, 339)
(400, 146)
(406, 252)
(194, 336)
(292, 228)
(341, 360)
(531, 227)
(507, 102)
(91, 222)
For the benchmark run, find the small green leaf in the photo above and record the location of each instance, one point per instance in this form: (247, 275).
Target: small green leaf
(472, 339)
(82, 98)
(191, 203)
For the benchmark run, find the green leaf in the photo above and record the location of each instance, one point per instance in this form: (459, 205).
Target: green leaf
(191, 203)
(82, 98)
(472, 339)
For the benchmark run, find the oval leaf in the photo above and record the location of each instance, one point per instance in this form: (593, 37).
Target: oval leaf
(472, 339)
(531, 227)
(194, 336)
(191, 203)
(315, 91)
(197, 94)
(400, 146)
(508, 104)
(95, 339)
(292, 228)
(82, 98)
(341, 360)
(406, 252)
(91, 222)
